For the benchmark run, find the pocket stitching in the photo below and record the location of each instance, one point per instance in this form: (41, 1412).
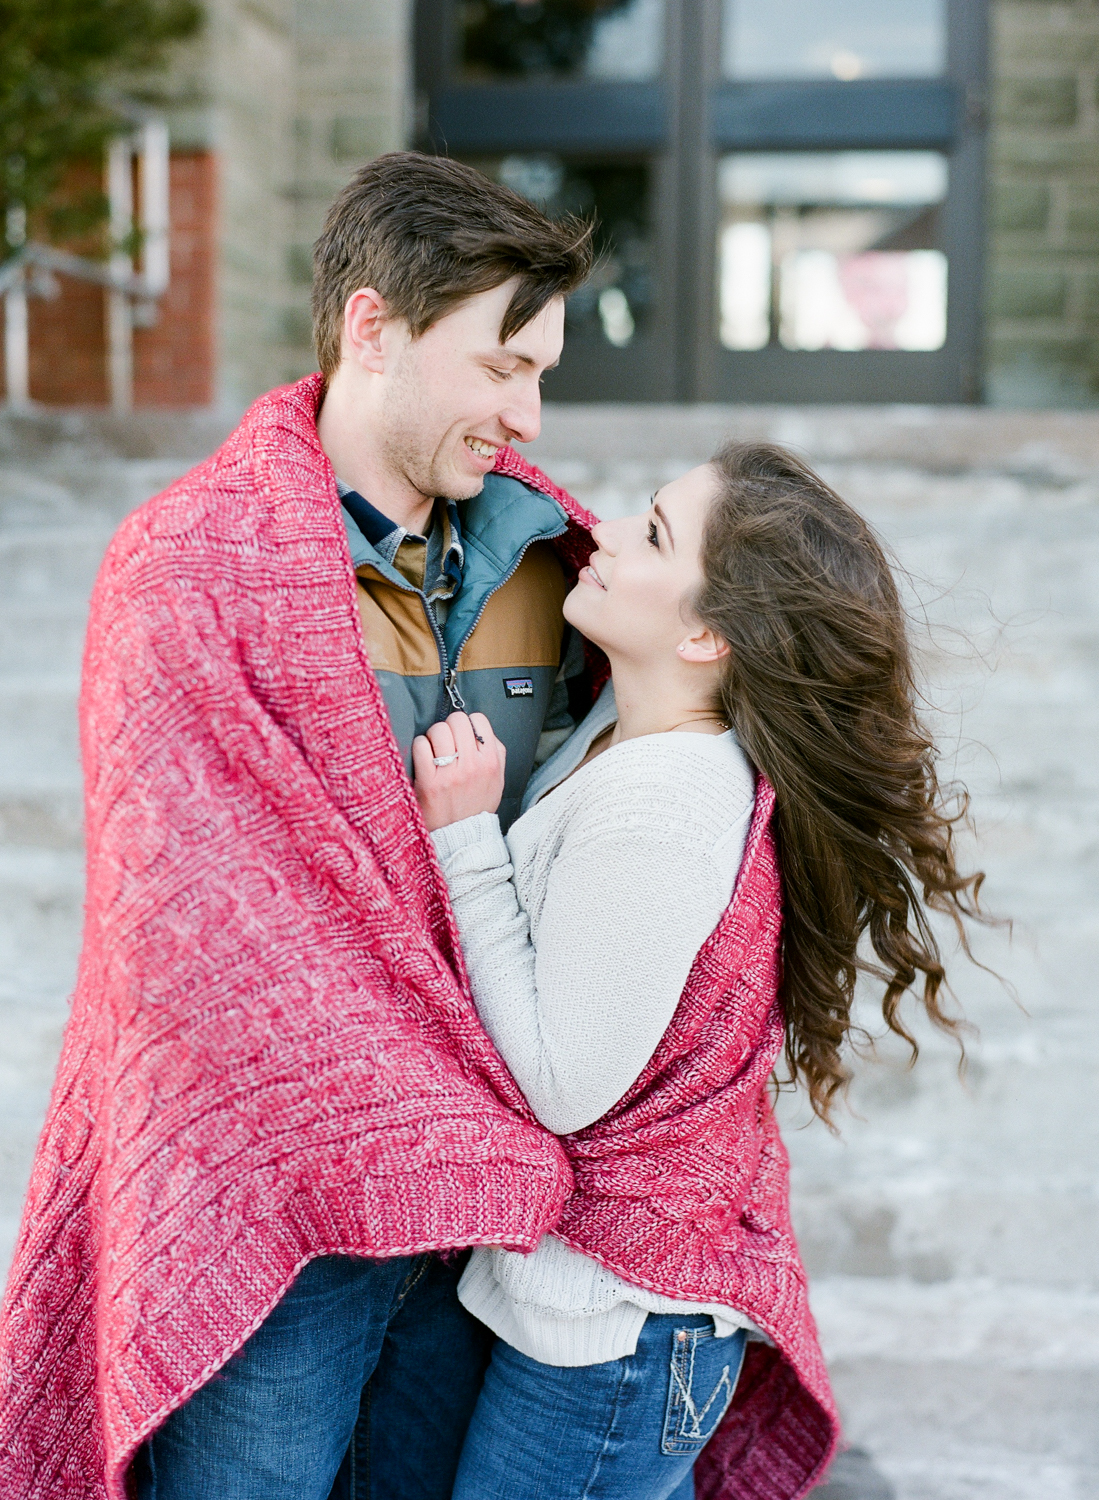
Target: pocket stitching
(677, 1438)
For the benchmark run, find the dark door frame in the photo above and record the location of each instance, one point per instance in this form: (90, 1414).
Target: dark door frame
(682, 124)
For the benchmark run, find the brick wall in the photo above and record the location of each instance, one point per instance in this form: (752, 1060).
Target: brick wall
(1042, 313)
(174, 360)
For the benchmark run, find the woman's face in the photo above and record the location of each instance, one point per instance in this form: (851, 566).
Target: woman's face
(632, 597)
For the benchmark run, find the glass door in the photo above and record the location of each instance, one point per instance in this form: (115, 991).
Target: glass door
(846, 138)
(788, 193)
(566, 101)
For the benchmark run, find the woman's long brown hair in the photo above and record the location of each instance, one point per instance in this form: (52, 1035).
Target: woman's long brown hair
(820, 690)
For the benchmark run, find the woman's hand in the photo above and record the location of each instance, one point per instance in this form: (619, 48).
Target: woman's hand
(472, 782)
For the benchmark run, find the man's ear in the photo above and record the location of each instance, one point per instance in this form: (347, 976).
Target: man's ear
(364, 318)
(703, 645)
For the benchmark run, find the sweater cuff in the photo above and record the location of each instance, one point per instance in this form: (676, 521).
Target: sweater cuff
(482, 828)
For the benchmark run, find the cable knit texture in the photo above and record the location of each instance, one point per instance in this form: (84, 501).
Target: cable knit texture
(273, 1053)
(683, 1188)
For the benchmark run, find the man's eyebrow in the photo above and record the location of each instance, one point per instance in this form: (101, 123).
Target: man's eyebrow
(527, 359)
(667, 528)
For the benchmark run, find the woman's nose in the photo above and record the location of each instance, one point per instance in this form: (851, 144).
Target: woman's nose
(603, 536)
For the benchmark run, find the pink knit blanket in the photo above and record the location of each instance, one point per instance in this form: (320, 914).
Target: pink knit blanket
(272, 1053)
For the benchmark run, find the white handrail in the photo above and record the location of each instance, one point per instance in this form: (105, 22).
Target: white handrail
(120, 327)
(127, 290)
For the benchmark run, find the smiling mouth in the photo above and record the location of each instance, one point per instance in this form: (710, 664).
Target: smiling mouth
(593, 577)
(481, 448)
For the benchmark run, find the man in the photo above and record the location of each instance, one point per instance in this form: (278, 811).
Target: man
(275, 1101)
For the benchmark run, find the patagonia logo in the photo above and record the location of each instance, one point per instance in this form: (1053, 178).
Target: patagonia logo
(519, 687)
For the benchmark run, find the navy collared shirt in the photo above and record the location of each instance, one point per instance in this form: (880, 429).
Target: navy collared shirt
(443, 555)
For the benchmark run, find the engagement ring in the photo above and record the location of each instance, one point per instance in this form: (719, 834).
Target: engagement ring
(446, 760)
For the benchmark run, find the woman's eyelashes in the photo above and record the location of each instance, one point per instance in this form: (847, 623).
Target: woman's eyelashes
(654, 539)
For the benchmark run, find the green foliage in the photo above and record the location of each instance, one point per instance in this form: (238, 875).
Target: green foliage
(58, 60)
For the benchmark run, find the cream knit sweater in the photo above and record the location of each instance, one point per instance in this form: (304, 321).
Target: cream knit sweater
(579, 931)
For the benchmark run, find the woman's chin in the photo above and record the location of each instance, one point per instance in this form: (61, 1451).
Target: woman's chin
(576, 613)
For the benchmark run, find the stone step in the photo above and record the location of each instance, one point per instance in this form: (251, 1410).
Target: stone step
(62, 492)
(972, 1390)
(950, 1230)
(45, 637)
(41, 911)
(41, 895)
(51, 568)
(1052, 446)
(39, 743)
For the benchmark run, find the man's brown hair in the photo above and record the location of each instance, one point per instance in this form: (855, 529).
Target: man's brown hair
(426, 233)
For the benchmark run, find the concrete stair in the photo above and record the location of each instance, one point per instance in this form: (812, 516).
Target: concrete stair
(951, 1228)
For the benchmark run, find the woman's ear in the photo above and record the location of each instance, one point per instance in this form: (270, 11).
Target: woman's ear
(703, 645)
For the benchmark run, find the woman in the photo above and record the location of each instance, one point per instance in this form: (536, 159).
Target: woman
(752, 625)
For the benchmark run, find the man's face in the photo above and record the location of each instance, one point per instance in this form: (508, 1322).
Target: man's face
(456, 394)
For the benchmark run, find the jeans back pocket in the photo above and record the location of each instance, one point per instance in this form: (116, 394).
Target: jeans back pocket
(702, 1378)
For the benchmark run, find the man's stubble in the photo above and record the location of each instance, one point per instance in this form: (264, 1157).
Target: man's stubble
(413, 435)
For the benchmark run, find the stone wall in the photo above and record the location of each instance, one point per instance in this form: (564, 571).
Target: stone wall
(354, 70)
(1042, 315)
(295, 94)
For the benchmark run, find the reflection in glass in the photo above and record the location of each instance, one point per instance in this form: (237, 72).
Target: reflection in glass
(618, 40)
(843, 39)
(833, 250)
(616, 301)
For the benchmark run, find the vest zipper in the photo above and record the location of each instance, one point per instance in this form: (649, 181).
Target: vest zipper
(449, 680)
(450, 673)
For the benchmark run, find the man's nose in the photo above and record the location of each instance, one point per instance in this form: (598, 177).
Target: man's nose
(523, 414)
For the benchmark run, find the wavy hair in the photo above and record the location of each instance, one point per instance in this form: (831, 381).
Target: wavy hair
(820, 690)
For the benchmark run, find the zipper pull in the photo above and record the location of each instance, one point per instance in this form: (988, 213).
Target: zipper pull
(456, 699)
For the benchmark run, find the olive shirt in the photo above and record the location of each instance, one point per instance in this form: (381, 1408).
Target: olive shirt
(469, 617)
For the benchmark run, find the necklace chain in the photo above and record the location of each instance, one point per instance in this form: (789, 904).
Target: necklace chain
(706, 719)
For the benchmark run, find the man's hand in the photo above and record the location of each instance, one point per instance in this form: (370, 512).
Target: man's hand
(473, 779)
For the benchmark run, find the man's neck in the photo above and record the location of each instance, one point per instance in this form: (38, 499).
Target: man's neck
(357, 457)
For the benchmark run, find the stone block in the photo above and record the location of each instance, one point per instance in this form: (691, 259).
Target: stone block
(1020, 148)
(1052, 36)
(1037, 101)
(297, 326)
(1082, 218)
(1089, 295)
(1042, 371)
(1019, 205)
(1028, 293)
(299, 265)
(359, 137)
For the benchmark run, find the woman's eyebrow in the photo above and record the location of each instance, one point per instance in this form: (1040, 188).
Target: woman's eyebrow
(667, 528)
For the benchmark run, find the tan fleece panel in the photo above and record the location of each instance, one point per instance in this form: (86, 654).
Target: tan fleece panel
(397, 635)
(522, 624)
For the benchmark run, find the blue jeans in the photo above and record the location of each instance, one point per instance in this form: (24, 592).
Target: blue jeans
(629, 1429)
(359, 1385)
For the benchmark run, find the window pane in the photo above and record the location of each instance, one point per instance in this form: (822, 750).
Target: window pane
(616, 40)
(834, 250)
(616, 302)
(844, 39)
